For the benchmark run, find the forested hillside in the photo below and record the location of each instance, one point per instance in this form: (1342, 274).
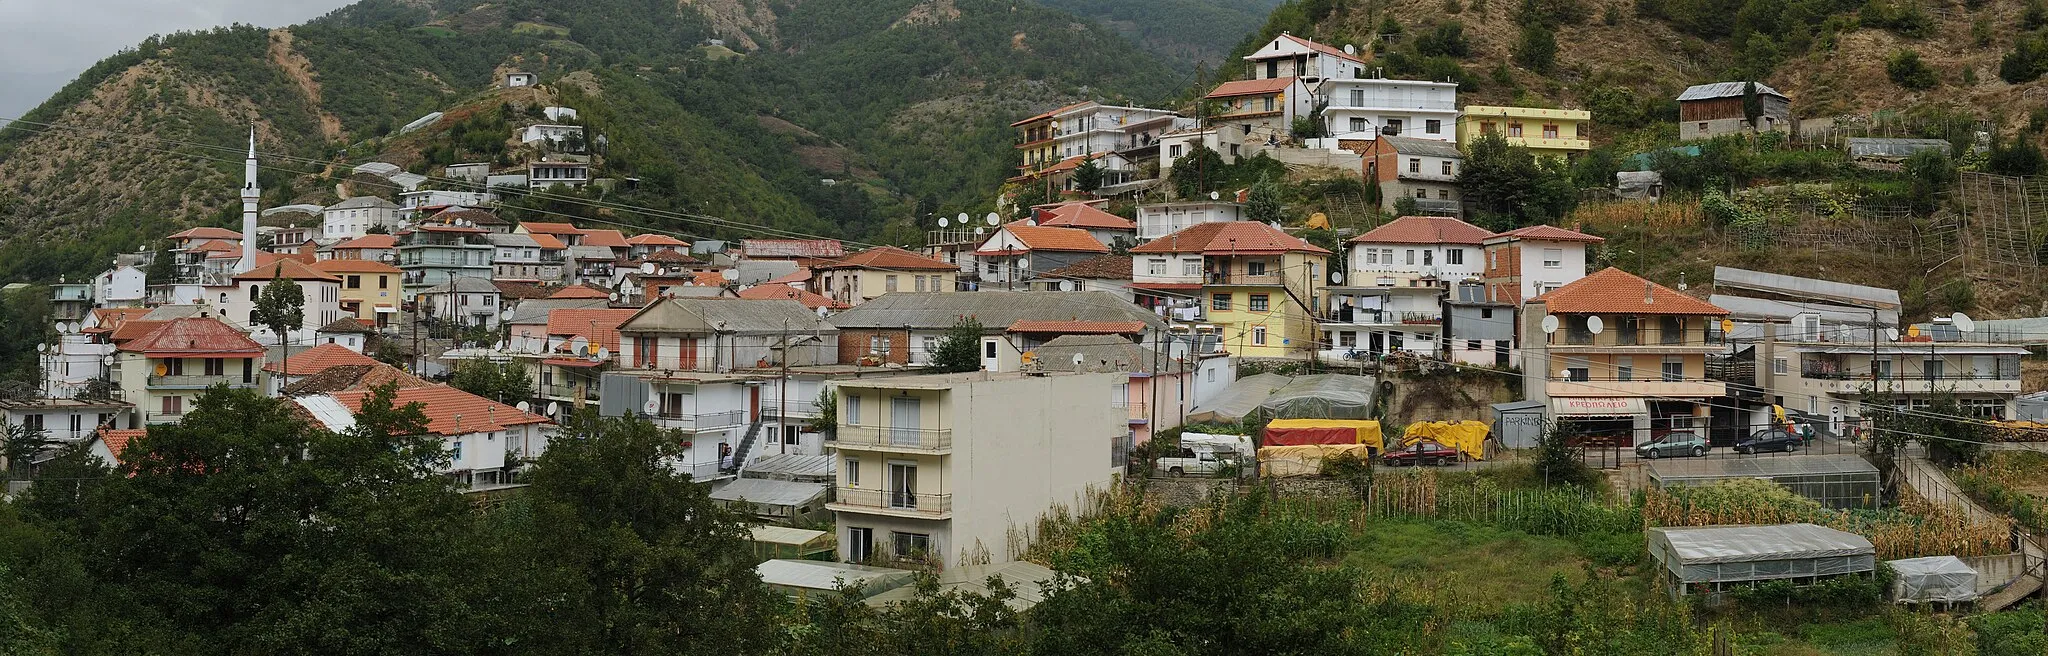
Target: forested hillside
(908, 98)
(1186, 32)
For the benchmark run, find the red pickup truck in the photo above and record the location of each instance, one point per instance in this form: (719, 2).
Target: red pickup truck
(1425, 452)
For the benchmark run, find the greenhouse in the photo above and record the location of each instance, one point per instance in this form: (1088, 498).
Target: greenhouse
(1836, 481)
(1711, 560)
(1942, 579)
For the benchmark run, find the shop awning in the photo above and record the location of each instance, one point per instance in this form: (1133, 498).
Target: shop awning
(1583, 406)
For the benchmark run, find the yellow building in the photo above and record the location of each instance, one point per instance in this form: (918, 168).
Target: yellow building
(1547, 132)
(369, 289)
(880, 270)
(164, 367)
(1261, 285)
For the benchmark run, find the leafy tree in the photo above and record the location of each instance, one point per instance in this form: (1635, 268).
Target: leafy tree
(1906, 70)
(162, 268)
(1389, 26)
(24, 323)
(1088, 176)
(960, 349)
(1931, 171)
(2017, 156)
(1509, 182)
(932, 621)
(1447, 39)
(22, 443)
(2034, 16)
(1198, 172)
(828, 412)
(502, 382)
(2027, 61)
(281, 307)
(1263, 202)
(1537, 49)
(1596, 169)
(632, 557)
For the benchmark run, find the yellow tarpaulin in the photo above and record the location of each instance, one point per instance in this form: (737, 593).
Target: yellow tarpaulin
(1468, 437)
(1306, 460)
(1368, 429)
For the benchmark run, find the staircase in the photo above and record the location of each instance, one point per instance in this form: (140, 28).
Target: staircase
(739, 455)
(2019, 589)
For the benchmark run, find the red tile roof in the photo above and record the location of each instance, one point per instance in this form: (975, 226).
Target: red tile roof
(286, 268)
(541, 228)
(117, 440)
(442, 404)
(1251, 87)
(134, 328)
(1614, 291)
(605, 238)
(205, 232)
(1228, 238)
(601, 327)
(669, 255)
(655, 240)
(778, 291)
(350, 325)
(522, 291)
(107, 319)
(354, 266)
(792, 248)
(317, 359)
(1424, 230)
(1327, 50)
(192, 337)
(1083, 216)
(369, 241)
(888, 257)
(579, 291)
(548, 242)
(1041, 238)
(1106, 267)
(1078, 327)
(799, 275)
(1550, 233)
(214, 246)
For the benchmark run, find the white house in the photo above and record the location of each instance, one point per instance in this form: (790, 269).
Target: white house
(1262, 111)
(1417, 251)
(554, 134)
(541, 175)
(1363, 109)
(1173, 145)
(121, 286)
(559, 113)
(321, 290)
(412, 201)
(517, 79)
(465, 300)
(1524, 263)
(1162, 219)
(477, 172)
(69, 420)
(1291, 56)
(1090, 128)
(487, 441)
(354, 217)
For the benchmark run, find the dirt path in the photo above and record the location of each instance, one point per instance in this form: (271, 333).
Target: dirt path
(300, 71)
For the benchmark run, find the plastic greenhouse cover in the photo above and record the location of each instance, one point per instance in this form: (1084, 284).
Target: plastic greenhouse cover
(1240, 399)
(1933, 578)
(1740, 544)
(1321, 396)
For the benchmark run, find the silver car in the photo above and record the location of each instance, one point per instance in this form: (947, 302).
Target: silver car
(1676, 444)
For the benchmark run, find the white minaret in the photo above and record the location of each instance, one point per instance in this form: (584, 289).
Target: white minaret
(250, 194)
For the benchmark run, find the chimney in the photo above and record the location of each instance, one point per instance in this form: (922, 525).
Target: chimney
(1647, 298)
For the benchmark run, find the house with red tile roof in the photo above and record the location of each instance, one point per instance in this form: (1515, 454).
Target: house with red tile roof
(861, 276)
(487, 441)
(801, 250)
(1105, 227)
(1288, 55)
(1258, 284)
(1102, 273)
(1015, 251)
(1526, 262)
(1616, 356)
(164, 369)
(569, 234)
(1416, 251)
(300, 363)
(379, 248)
(1090, 129)
(320, 289)
(641, 245)
(108, 444)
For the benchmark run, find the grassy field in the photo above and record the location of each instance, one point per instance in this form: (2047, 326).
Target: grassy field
(1488, 567)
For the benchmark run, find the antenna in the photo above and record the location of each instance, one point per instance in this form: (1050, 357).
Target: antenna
(1550, 323)
(604, 353)
(651, 408)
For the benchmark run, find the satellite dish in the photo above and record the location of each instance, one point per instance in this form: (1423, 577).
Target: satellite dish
(579, 345)
(614, 297)
(554, 409)
(500, 346)
(1336, 277)
(1550, 323)
(161, 369)
(42, 348)
(647, 267)
(1069, 285)
(1031, 222)
(1215, 195)
(523, 406)
(506, 315)
(1963, 322)
(1595, 325)
(107, 360)
(604, 353)
(1912, 331)
(1079, 358)
(1891, 334)
(992, 218)
(651, 407)
(1350, 49)
(977, 230)
(962, 218)
(1023, 263)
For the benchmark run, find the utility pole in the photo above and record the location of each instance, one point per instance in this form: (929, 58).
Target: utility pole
(782, 393)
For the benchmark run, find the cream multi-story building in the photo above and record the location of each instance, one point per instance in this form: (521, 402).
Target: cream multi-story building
(1623, 358)
(1555, 133)
(165, 369)
(952, 467)
(880, 270)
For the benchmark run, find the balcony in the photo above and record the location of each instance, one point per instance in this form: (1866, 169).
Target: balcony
(886, 438)
(196, 382)
(1383, 317)
(900, 503)
(570, 391)
(1856, 383)
(1259, 279)
(797, 409)
(162, 418)
(1648, 385)
(691, 421)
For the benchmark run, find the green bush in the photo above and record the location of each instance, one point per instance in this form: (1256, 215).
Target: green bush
(2026, 62)
(1905, 69)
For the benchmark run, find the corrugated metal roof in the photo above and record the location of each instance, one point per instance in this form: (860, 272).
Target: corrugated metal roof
(1724, 90)
(1761, 309)
(995, 310)
(1741, 544)
(1026, 579)
(328, 411)
(769, 491)
(1701, 469)
(820, 575)
(1423, 147)
(791, 464)
(785, 535)
(1808, 288)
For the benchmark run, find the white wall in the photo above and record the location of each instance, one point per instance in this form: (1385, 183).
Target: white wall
(1369, 269)
(1536, 277)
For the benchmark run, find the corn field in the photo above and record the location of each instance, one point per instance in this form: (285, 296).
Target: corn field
(1917, 527)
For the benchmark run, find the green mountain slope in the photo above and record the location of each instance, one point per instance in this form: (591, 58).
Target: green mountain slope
(906, 99)
(1186, 32)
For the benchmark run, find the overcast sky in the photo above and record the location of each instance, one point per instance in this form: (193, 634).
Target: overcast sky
(46, 43)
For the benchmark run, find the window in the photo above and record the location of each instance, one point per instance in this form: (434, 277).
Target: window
(174, 367)
(254, 291)
(1191, 267)
(1433, 126)
(1626, 331)
(1386, 256)
(1577, 370)
(1486, 127)
(1269, 103)
(1553, 258)
(35, 422)
(911, 544)
(1471, 345)
(988, 349)
(1443, 194)
(1881, 367)
(991, 268)
(1394, 126)
(1347, 339)
(1454, 256)
(878, 344)
(1234, 147)
(1780, 366)
(1514, 129)
(458, 450)
(1624, 368)
(853, 472)
(216, 367)
(1674, 368)
(1258, 335)
(1411, 257)
(1357, 100)
(1372, 256)
(172, 405)
(355, 282)
(1427, 258)
(1173, 151)
(1486, 313)
(1447, 167)
(1357, 124)
(888, 283)
(1672, 330)
(920, 282)
(77, 424)
(1577, 330)
(1422, 193)
(1932, 367)
(1219, 302)
(1550, 131)
(1255, 268)
(1578, 131)
(1258, 302)
(1414, 165)
(1703, 126)
(1156, 267)
(852, 409)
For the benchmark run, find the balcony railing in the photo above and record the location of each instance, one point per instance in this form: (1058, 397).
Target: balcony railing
(162, 418)
(1823, 374)
(894, 500)
(791, 409)
(1370, 317)
(1244, 279)
(889, 437)
(700, 421)
(197, 382)
(569, 390)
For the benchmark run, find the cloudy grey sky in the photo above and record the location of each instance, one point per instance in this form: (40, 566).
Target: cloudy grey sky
(46, 43)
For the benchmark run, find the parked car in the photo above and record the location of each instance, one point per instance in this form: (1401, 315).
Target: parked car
(1425, 452)
(1770, 439)
(1674, 443)
(1200, 461)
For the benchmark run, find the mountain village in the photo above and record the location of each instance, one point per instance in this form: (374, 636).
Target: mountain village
(879, 408)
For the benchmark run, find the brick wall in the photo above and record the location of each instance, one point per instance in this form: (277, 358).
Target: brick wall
(856, 343)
